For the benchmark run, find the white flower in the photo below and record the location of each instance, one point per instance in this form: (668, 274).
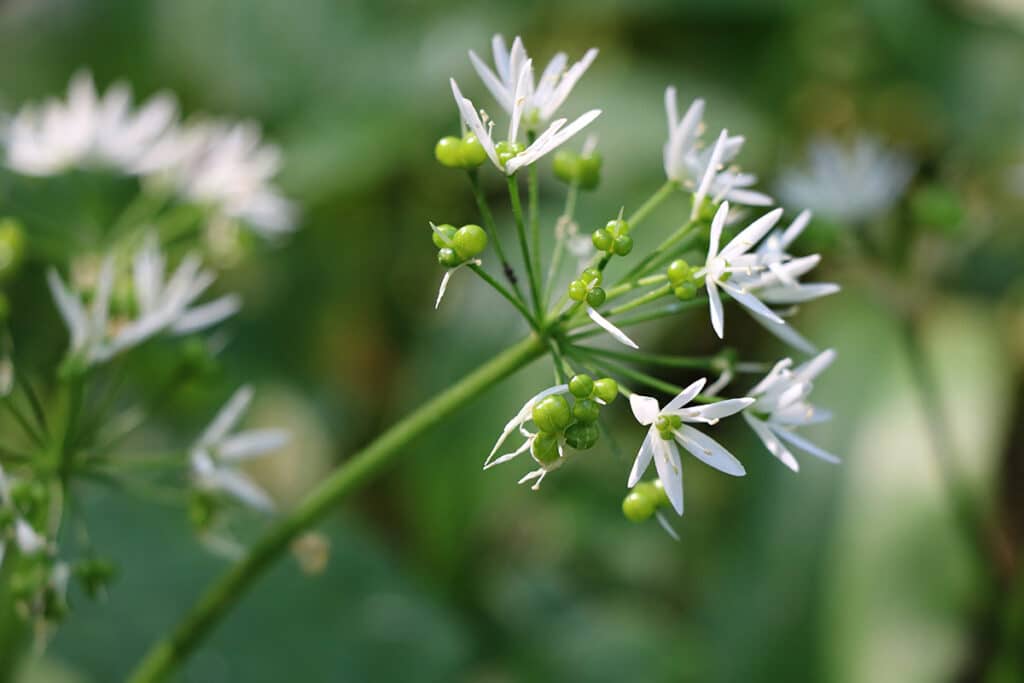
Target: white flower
(556, 134)
(27, 539)
(162, 306)
(781, 406)
(227, 166)
(734, 258)
(667, 429)
(706, 172)
(540, 100)
(519, 422)
(87, 130)
(849, 184)
(215, 457)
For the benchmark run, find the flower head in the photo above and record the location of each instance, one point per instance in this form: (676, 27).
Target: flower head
(13, 526)
(668, 428)
(509, 155)
(518, 423)
(849, 184)
(217, 453)
(540, 100)
(780, 406)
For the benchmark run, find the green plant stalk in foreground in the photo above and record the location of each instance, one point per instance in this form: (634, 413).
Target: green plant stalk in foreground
(165, 655)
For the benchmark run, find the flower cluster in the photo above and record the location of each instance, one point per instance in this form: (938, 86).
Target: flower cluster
(138, 285)
(718, 256)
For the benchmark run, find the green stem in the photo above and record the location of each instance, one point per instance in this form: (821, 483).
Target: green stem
(533, 212)
(505, 293)
(589, 330)
(653, 358)
(165, 655)
(531, 274)
(655, 200)
(613, 368)
(647, 298)
(651, 260)
(564, 221)
(492, 231)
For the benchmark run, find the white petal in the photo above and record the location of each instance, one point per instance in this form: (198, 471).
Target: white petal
(709, 451)
(771, 442)
(663, 521)
(492, 82)
(523, 416)
(611, 329)
(715, 305)
(685, 396)
(717, 225)
(751, 302)
(804, 445)
(546, 143)
(786, 333)
(239, 486)
(472, 119)
(509, 456)
(670, 471)
(27, 539)
(252, 443)
(713, 412)
(751, 235)
(815, 366)
(643, 458)
(228, 416)
(709, 174)
(207, 315)
(645, 408)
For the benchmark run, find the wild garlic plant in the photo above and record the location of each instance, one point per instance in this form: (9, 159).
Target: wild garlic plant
(727, 254)
(724, 251)
(123, 214)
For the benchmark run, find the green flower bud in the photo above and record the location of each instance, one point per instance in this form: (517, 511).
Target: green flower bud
(685, 291)
(596, 297)
(202, 509)
(545, 448)
(95, 574)
(603, 240)
(617, 227)
(623, 245)
(472, 152)
(552, 414)
(582, 435)
(606, 389)
(448, 258)
(581, 386)
(591, 275)
(12, 246)
(586, 410)
(589, 174)
(577, 290)
(678, 271)
(447, 232)
(469, 241)
(507, 150)
(567, 166)
(448, 151)
(637, 507)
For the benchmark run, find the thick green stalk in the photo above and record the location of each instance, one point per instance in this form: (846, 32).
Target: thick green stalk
(655, 200)
(167, 654)
(533, 214)
(652, 259)
(486, 277)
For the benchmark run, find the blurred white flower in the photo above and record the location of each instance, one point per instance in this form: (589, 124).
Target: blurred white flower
(162, 306)
(721, 266)
(87, 130)
(216, 456)
(667, 429)
(706, 172)
(16, 528)
(848, 183)
(781, 406)
(556, 134)
(540, 100)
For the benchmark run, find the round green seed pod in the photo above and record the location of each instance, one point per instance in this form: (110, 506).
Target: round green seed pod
(581, 386)
(581, 435)
(617, 227)
(552, 414)
(545, 448)
(472, 152)
(447, 233)
(507, 150)
(685, 291)
(596, 297)
(448, 151)
(12, 246)
(589, 175)
(469, 241)
(577, 290)
(678, 271)
(602, 239)
(567, 166)
(586, 410)
(623, 245)
(660, 497)
(606, 389)
(591, 275)
(448, 258)
(637, 508)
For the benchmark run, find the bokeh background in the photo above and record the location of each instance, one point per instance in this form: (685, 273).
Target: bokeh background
(440, 572)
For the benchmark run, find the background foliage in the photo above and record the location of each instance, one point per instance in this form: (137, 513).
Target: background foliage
(439, 572)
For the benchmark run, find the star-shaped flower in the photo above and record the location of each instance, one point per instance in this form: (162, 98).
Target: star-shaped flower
(541, 100)
(217, 453)
(668, 428)
(780, 406)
